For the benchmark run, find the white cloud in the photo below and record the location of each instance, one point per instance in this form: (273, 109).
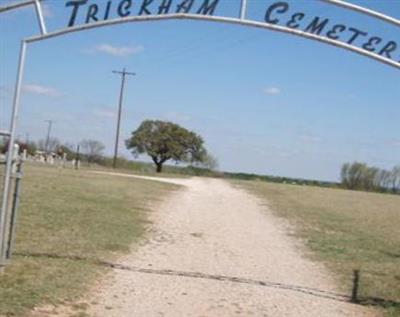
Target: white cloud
(41, 90)
(394, 142)
(105, 113)
(310, 138)
(121, 51)
(47, 12)
(5, 92)
(272, 91)
(177, 117)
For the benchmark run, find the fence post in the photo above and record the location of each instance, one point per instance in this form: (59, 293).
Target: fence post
(14, 210)
(9, 157)
(356, 281)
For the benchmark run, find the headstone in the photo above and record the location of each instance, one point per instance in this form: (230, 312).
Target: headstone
(64, 160)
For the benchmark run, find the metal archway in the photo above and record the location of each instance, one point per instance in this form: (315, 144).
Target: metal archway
(240, 20)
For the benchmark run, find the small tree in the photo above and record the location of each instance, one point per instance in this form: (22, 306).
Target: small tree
(92, 149)
(209, 162)
(52, 144)
(30, 147)
(67, 149)
(344, 175)
(352, 175)
(395, 178)
(383, 179)
(361, 176)
(164, 141)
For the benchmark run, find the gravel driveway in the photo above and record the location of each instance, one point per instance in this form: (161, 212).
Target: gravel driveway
(215, 250)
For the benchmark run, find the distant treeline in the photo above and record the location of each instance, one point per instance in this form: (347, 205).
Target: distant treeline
(279, 179)
(355, 176)
(360, 176)
(198, 171)
(90, 151)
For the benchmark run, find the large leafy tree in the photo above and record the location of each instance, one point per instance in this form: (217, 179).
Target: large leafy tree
(164, 141)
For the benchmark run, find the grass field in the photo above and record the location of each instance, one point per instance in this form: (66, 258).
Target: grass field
(347, 230)
(66, 215)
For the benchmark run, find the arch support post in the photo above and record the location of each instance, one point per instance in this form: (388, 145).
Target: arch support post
(40, 16)
(10, 157)
(243, 9)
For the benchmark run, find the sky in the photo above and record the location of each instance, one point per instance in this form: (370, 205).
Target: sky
(264, 102)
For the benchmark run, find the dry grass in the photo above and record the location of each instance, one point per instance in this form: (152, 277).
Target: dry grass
(347, 230)
(66, 215)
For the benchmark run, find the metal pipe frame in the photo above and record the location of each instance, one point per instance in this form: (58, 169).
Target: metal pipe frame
(243, 9)
(241, 21)
(228, 20)
(38, 7)
(16, 5)
(360, 9)
(10, 152)
(14, 210)
(39, 13)
(339, 3)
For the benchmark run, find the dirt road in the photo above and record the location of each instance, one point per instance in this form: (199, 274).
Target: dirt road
(215, 250)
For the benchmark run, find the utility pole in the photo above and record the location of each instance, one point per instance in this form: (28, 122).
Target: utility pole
(50, 122)
(77, 157)
(121, 97)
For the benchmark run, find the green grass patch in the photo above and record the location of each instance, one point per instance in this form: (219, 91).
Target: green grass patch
(347, 230)
(65, 217)
(149, 169)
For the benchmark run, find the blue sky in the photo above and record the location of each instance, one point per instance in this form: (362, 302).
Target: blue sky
(264, 102)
